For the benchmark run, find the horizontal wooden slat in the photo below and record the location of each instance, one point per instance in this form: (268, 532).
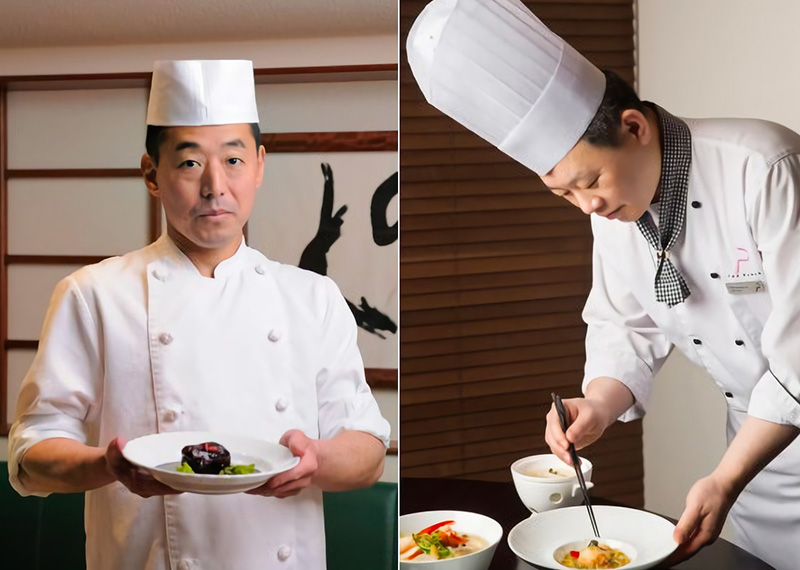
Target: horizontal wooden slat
(54, 259)
(75, 173)
(496, 219)
(330, 142)
(493, 311)
(486, 297)
(381, 377)
(491, 326)
(409, 350)
(481, 380)
(495, 264)
(485, 203)
(494, 249)
(498, 280)
(422, 238)
(450, 188)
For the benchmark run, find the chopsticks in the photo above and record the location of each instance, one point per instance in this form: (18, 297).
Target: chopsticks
(576, 462)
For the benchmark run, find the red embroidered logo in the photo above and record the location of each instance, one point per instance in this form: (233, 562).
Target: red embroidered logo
(741, 259)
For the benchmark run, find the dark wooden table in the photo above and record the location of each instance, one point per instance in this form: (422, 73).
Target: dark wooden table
(501, 502)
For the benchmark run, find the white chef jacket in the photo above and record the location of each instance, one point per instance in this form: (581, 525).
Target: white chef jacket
(742, 231)
(144, 344)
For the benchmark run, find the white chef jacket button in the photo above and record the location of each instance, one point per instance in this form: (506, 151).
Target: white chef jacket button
(739, 342)
(160, 274)
(284, 552)
(165, 338)
(697, 341)
(281, 404)
(274, 335)
(170, 415)
(260, 269)
(696, 204)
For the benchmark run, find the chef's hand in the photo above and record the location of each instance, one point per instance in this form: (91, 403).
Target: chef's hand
(587, 420)
(137, 480)
(291, 482)
(707, 505)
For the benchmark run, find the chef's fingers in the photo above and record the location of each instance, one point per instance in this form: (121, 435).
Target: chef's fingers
(291, 488)
(555, 438)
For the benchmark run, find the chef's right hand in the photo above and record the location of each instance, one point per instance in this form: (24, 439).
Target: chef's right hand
(137, 480)
(587, 420)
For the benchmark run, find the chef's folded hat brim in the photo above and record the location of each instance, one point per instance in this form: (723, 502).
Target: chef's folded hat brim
(498, 70)
(202, 92)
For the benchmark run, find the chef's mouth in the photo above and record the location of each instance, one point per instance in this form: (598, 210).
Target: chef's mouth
(613, 215)
(213, 213)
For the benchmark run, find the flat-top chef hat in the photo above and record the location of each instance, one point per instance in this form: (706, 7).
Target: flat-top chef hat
(498, 70)
(202, 92)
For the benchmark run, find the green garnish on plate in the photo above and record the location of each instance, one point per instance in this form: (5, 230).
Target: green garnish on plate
(229, 470)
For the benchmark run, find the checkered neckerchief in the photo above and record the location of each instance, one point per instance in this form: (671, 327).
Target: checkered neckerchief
(676, 159)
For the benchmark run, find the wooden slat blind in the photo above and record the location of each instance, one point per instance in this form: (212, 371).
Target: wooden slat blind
(494, 274)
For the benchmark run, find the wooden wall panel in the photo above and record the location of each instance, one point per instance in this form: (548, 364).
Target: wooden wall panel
(494, 274)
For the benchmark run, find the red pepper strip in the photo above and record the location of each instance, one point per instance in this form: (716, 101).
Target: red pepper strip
(433, 527)
(574, 553)
(452, 539)
(417, 553)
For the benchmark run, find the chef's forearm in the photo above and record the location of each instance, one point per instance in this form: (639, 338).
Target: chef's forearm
(350, 460)
(614, 396)
(61, 465)
(757, 443)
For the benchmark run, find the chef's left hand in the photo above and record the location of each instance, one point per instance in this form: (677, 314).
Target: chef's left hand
(291, 482)
(707, 506)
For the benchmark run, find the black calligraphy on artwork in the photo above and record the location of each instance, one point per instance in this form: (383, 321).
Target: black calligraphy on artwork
(315, 255)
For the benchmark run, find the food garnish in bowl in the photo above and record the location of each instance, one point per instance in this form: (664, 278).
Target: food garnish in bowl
(439, 541)
(595, 556)
(210, 458)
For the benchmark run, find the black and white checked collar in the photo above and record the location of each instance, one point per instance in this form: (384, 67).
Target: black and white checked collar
(676, 160)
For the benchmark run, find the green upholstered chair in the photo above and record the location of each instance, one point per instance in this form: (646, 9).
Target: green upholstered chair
(361, 528)
(42, 534)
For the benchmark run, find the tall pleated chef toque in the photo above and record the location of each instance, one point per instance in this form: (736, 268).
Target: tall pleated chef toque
(498, 70)
(194, 93)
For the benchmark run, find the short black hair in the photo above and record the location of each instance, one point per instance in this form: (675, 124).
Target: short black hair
(156, 135)
(618, 96)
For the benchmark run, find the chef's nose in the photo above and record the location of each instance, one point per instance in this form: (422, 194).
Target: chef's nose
(589, 204)
(212, 183)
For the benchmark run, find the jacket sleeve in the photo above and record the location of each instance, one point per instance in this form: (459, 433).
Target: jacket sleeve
(61, 386)
(622, 341)
(344, 398)
(774, 217)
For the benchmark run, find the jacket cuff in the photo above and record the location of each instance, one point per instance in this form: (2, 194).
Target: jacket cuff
(631, 371)
(772, 402)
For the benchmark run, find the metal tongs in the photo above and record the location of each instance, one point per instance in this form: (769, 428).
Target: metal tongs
(576, 462)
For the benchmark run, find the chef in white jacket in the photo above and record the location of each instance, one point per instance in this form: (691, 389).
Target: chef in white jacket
(198, 332)
(696, 228)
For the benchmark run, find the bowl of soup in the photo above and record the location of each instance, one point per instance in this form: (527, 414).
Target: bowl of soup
(451, 540)
(544, 482)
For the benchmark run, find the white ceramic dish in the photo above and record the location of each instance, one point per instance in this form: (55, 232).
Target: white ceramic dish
(537, 539)
(466, 522)
(160, 453)
(540, 491)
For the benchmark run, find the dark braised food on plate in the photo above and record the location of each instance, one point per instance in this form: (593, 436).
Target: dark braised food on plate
(207, 458)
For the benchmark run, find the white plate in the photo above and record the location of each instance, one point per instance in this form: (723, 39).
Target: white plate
(153, 452)
(536, 539)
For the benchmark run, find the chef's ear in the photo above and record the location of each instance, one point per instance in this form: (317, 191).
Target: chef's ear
(149, 170)
(261, 154)
(635, 123)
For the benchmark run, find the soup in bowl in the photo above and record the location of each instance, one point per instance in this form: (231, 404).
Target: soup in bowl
(455, 540)
(544, 482)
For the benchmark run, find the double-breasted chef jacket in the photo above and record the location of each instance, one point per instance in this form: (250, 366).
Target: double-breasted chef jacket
(144, 344)
(740, 256)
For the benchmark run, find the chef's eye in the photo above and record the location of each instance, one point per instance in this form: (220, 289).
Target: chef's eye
(189, 164)
(234, 161)
(594, 184)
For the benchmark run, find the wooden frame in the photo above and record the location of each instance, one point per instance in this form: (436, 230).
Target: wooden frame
(274, 142)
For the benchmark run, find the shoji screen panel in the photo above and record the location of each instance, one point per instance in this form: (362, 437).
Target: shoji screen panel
(73, 196)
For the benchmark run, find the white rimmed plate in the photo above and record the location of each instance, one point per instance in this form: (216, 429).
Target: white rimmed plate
(160, 454)
(537, 538)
